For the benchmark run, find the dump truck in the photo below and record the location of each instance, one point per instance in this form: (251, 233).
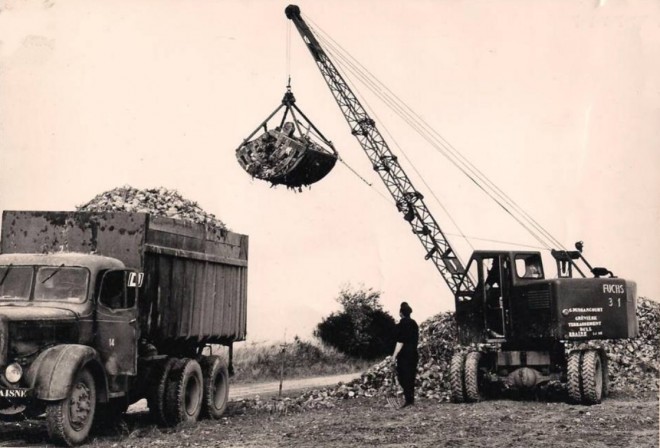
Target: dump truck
(100, 310)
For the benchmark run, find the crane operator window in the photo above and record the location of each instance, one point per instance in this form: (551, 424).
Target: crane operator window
(529, 266)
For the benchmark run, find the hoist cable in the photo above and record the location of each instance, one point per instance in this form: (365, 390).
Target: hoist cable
(441, 144)
(408, 159)
(402, 108)
(288, 52)
(429, 138)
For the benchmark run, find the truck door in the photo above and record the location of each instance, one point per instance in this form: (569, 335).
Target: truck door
(116, 321)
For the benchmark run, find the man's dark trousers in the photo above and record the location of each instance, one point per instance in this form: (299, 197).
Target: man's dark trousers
(406, 369)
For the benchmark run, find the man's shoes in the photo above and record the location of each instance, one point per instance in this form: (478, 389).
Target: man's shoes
(406, 404)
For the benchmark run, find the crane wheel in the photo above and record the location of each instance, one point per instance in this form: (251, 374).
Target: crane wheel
(606, 373)
(456, 375)
(591, 372)
(573, 374)
(473, 386)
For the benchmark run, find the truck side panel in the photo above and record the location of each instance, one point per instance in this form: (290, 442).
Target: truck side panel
(195, 286)
(117, 235)
(195, 299)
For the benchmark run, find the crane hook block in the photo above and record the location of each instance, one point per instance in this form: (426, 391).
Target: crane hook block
(293, 152)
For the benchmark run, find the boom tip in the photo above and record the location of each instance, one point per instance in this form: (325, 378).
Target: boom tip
(292, 11)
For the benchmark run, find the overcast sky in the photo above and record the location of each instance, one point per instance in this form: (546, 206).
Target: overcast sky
(558, 102)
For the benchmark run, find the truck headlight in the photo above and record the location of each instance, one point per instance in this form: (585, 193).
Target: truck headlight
(13, 372)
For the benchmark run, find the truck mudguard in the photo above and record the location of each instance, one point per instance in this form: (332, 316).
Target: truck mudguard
(50, 376)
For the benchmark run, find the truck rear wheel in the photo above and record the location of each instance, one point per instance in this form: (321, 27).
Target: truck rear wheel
(472, 377)
(216, 387)
(592, 377)
(69, 420)
(156, 394)
(184, 391)
(456, 378)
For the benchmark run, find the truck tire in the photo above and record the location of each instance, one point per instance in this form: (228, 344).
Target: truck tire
(456, 378)
(592, 377)
(574, 377)
(69, 420)
(216, 387)
(184, 392)
(156, 394)
(472, 377)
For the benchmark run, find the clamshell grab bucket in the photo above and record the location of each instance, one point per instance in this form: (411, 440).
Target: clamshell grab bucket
(283, 160)
(287, 155)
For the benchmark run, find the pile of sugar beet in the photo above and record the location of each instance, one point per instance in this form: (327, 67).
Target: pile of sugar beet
(634, 366)
(155, 201)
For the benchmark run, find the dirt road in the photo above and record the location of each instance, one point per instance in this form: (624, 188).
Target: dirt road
(241, 391)
(270, 389)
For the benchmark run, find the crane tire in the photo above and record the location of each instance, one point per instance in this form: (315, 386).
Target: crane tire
(184, 391)
(456, 374)
(591, 371)
(574, 376)
(70, 420)
(472, 380)
(216, 387)
(606, 373)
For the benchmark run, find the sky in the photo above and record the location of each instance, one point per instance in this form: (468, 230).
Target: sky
(558, 102)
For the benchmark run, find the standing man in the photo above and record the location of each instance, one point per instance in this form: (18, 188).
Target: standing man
(405, 353)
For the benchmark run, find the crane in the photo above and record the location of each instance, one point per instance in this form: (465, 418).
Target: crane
(409, 201)
(513, 322)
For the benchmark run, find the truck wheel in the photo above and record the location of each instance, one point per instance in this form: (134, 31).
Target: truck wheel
(70, 420)
(592, 377)
(456, 378)
(156, 393)
(216, 387)
(574, 377)
(184, 391)
(473, 380)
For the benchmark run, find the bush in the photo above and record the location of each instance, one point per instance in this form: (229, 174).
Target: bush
(256, 362)
(362, 329)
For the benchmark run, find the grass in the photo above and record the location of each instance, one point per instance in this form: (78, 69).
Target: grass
(256, 362)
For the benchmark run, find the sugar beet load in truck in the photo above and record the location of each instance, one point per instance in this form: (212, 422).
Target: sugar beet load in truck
(99, 310)
(513, 322)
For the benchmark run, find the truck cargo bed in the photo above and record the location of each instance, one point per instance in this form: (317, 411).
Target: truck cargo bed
(195, 286)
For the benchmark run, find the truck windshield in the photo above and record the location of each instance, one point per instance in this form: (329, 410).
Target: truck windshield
(15, 282)
(68, 284)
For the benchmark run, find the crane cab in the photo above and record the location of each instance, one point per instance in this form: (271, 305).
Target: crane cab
(510, 300)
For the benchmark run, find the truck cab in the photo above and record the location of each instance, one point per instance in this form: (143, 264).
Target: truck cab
(54, 307)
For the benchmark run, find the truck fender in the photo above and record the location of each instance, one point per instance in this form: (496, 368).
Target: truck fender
(51, 374)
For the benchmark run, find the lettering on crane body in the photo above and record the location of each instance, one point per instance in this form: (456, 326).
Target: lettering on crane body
(614, 289)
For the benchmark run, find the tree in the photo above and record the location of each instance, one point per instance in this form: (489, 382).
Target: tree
(362, 329)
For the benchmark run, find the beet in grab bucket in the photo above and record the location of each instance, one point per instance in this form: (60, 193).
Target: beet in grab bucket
(294, 153)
